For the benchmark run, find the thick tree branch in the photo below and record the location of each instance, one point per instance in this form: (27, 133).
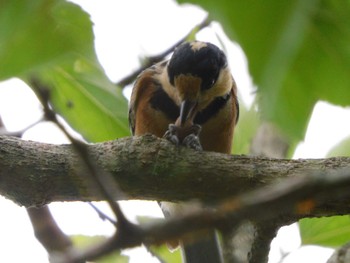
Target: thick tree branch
(147, 168)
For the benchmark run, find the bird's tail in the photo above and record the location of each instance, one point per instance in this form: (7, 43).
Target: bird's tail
(205, 250)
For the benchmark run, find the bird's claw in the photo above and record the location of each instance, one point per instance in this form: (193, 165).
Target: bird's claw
(191, 139)
(171, 135)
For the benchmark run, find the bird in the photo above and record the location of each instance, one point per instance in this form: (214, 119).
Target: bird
(191, 100)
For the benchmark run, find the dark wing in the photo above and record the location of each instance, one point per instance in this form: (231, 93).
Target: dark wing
(234, 91)
(145, 85)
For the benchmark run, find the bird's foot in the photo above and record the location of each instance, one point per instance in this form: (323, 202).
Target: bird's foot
(192, 141)
(171, 134)
(186, 136)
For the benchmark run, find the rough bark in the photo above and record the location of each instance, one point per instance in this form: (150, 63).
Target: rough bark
(145, 168)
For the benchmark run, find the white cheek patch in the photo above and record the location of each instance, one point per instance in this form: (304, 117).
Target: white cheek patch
(195, 46)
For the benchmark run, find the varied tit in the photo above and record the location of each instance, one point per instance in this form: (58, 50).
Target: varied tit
(191, 100)
(193, 94)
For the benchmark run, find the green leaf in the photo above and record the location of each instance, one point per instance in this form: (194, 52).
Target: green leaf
(53, 40)
(34, 34)
(297, 50)
(91, 104)
(327, 231)
(341, 149)
(82, 241)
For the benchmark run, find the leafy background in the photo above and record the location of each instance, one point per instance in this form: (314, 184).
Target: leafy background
(298, 53)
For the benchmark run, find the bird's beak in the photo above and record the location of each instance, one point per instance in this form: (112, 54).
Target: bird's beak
(187, 110)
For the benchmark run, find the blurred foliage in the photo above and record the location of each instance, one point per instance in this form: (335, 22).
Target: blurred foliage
(36, 34)
(297, 50)
(166, 255)
(53, 40)
(81, 92)
(327, 231)
(81, 241)
(341, 149)
(245, 130)
(298, 53)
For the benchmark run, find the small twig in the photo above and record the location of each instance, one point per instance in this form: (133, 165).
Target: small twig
(19, 134)
(149, 61)
(97, 176)
(102, 215)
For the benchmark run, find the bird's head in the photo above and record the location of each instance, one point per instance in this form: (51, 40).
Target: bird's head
(199, 73)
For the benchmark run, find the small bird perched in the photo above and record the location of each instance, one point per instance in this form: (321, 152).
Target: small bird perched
(191, 100)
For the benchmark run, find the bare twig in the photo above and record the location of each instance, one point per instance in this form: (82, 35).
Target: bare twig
(102, 215)
(99, 177)
(284, 255)
(19, 134)
(149, 61)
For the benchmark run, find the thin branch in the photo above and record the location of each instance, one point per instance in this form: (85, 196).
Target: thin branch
(102, 215)
(47, 231)
(97, 176)
(19, 134)
(149, 61)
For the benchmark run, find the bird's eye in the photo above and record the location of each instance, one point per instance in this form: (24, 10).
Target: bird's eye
(209, 83)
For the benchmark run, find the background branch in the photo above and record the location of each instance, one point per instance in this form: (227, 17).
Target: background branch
(264, 204)
(47, 231)
(149, 61)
